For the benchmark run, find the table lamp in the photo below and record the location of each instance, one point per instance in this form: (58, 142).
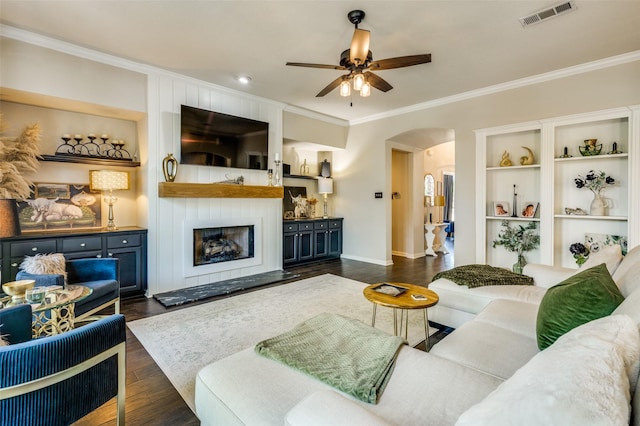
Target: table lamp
(109, 180)
(325, 186)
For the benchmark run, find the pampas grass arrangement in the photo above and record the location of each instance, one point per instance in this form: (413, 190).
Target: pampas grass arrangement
(18, 156)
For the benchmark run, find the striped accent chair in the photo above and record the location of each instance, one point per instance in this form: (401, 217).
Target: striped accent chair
(57, 380)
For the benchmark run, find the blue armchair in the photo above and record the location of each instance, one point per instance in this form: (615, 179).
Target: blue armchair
(57, 380)
(101, 275)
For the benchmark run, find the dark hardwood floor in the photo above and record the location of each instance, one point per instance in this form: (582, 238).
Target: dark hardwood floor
(152, 400)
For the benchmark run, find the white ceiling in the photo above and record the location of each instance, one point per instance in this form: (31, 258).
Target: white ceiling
(474, 44)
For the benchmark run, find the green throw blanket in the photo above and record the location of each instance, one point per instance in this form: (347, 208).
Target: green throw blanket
(342, 352)
(482, 275)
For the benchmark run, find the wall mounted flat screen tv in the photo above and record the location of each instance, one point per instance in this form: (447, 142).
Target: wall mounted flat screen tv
(209, 138)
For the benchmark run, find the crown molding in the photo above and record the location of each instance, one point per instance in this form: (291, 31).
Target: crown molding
(108, 59)
(527, 81)
(316, 115)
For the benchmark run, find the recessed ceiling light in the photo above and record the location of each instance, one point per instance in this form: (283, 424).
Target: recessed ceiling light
(244, 79)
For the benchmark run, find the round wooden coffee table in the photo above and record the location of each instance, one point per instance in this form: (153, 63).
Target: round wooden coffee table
(410, 296)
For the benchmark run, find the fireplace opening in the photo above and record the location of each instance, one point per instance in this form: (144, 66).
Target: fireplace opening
(222, 244)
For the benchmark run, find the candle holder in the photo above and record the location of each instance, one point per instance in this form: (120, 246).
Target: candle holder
(277, 173)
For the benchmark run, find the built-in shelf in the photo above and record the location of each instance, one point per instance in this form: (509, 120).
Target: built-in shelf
(589, 217)
(300, 177)
(217, 190)
(524, 219)
(91, 160)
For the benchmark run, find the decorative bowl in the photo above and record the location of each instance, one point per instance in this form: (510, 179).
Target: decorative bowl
(16, 289)
(590, 149)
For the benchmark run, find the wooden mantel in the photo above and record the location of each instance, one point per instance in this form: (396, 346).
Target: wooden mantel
(217, 190)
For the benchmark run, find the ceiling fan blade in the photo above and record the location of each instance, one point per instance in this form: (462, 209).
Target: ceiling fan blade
(335, 83)
(400, 62)
(329, 67)
(377, 82)
(359, 46)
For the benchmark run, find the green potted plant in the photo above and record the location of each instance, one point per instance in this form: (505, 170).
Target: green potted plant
(518, 239)
(18, 156)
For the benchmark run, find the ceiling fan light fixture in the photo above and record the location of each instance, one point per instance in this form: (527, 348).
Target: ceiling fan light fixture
(358, 81)
(365, 91)
(244, 79)
(345, 88)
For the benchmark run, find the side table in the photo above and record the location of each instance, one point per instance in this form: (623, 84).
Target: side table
(403, 302)
(56, 314)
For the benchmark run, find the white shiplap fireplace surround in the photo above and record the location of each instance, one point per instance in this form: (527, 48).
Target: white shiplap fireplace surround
(170, 215)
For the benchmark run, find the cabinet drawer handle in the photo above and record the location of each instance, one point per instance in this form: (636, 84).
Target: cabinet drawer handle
(14, 265)
(83, 244)
(110, 254)
(34, 248)
(99, 256)
(125, 242)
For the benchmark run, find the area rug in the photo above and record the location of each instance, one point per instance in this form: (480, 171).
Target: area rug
(183, 341)
(205, 291)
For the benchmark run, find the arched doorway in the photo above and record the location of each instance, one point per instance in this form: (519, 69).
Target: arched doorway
(414, 154)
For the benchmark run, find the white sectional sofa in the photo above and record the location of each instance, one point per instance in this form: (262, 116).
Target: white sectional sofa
(459, 303)
(489, 371)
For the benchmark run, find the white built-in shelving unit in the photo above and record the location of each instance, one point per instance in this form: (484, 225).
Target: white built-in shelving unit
(550, 182)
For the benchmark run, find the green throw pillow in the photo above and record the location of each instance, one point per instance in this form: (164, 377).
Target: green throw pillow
(583, 297)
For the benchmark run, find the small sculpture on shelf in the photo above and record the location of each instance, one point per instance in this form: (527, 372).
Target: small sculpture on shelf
(235, 181)
(505, 161)
(527, 160)
(91, 149)
(591, 147)
(170, 167)
(565, 153)
(575, 212)
(614, 149)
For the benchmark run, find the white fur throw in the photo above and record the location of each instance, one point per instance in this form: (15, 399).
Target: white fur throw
(44, 264)
(584, 378)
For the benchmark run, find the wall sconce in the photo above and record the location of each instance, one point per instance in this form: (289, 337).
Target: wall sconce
(9, 221)
(109, 180)
(325, 187)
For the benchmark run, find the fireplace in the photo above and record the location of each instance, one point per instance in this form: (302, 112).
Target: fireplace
(218, 245)
(222, 244)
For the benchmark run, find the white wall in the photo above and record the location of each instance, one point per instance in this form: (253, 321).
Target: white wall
(364, 167)
(167, 215)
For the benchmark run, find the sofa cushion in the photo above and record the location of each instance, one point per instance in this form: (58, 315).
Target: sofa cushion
(583, 297)
(327, 407)
(513, 315)
(488, 348)
(474, 300)
(632, 258)
(629, 281)
(610, 255)
(630, 306)
(583, 378)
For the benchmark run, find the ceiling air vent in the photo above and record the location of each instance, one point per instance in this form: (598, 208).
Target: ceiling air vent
(541, 15)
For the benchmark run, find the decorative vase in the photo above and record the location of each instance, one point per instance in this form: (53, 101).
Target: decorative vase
(312, 211)
(9, 218)
(598, 205)
(519, 265)
(170, 167)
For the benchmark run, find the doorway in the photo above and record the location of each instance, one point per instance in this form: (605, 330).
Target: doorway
(413, 155)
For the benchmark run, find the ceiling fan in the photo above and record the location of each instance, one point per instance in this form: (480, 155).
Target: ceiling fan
(358, 60)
